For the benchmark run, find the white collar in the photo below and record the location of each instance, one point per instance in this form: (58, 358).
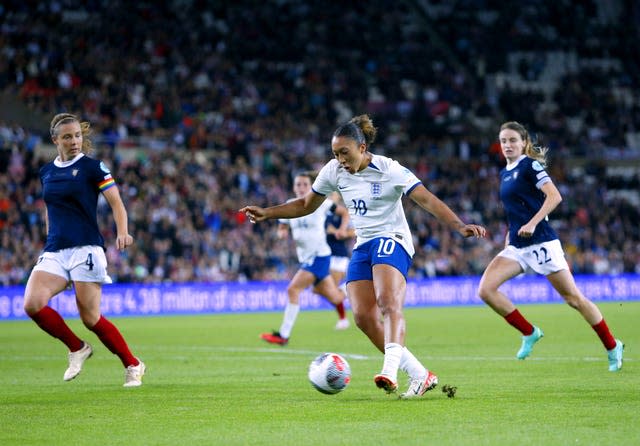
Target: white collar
(512, 165)
(67, 163)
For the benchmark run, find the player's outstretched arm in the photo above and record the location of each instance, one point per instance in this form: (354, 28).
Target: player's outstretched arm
(292, 209)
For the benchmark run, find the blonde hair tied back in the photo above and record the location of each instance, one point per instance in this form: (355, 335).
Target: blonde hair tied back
(67, 118)
(535, 151)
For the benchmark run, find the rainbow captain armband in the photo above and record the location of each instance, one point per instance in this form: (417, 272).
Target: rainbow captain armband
(106, 183)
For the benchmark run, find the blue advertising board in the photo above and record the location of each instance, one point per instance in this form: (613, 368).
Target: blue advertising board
(141, 300)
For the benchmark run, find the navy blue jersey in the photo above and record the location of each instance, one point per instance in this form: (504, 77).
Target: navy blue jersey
(522, 198)
(70, 191)
(338, 247)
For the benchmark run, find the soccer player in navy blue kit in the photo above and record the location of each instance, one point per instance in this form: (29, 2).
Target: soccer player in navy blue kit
(74, 249)
(529, 195)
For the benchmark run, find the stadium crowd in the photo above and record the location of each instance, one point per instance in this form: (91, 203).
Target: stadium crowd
(200, 107)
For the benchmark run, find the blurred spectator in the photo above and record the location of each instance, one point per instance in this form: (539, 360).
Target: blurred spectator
(228, 100)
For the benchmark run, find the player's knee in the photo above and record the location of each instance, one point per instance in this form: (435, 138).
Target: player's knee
(365, 322)
(574, 300)
(390, 307)
(90, 319)
(485, 292)
(294, 294)
(360, 320)
(32, 305)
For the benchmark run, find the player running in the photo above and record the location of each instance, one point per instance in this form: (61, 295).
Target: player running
(529, 196)
(74, 250)
(314, 255)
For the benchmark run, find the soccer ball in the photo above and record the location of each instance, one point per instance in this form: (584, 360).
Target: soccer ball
(329, 373)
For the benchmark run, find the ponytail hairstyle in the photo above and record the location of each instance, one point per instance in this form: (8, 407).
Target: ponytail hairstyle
(535, 151)
(85, 128)
(359, 128)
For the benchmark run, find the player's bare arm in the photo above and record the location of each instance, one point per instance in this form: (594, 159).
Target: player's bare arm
(551, 201)
(436, 207)
(123, 238)
(292, 209)
(342, 232)
(46, 221)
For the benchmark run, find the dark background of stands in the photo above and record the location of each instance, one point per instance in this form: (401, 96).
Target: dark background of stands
(201, 107)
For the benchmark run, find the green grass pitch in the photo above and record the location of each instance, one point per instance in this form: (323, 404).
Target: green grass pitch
(211, 381)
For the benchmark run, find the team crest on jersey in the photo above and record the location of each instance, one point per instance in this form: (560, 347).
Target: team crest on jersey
(74, 172)
(376, 189)
(515, 174)
(104, 167)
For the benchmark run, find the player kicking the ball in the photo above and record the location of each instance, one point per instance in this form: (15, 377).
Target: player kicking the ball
(372, 187)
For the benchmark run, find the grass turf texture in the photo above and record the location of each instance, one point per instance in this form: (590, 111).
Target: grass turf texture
(210, 380)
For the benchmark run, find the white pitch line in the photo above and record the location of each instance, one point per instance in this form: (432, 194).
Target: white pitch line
(357, 356)
(298, 352)
(270, 350)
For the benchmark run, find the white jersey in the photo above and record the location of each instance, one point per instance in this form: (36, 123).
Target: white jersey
(309, 233)
(373, 197)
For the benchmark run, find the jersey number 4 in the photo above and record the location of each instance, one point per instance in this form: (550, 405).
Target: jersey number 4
(89, 262)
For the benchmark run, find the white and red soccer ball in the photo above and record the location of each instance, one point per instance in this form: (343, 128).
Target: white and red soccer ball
(329, 373)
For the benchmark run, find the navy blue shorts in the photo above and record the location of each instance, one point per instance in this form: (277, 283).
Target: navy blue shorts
(383, 250)
(319, 267)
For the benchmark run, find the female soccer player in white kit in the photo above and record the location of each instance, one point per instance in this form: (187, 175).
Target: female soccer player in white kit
(314, 255)
(372, 187)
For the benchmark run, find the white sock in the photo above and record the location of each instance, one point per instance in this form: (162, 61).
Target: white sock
(290, 314)
(392, 355)
(411, 365)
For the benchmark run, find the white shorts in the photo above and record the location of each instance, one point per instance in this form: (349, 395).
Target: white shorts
(544, 258)
(78, 264)
(339, 264)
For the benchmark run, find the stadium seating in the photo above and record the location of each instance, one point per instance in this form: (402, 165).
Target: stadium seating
(222, 106)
